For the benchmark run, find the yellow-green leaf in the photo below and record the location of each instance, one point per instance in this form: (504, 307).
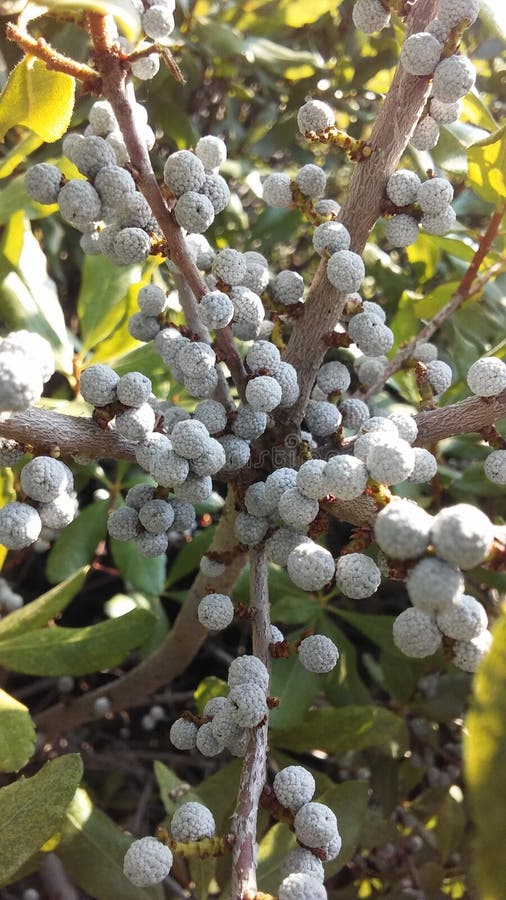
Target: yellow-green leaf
(17, 734)
(485, 752)
(486, 161)
(39, 98)
(298, 14)
(124, 12)
(37, 613)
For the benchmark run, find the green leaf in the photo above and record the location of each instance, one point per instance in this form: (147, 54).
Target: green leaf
(145, 574)
(37, 613)
(124, 12)
(484, 755)
(32, 809)
(349, 728)
(104, 287)
(77, 651)
(188, 558)
(76, 545)
(92, 852)
(7, 493)
(173, 791)
(295, 688)
(39, 98)
(17, 734)
(486, 161)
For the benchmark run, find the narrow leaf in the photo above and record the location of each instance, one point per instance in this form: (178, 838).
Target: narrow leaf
(92, 851)
(77, 543)
(17, 734)
(349, 728)
(145, 574)
(37, 613)
(77, 651)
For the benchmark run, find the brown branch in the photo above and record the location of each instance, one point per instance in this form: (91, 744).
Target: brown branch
(47, 431)
(53, 59)
(469, 286)
(119, 95)
(362, 207)
(253, 770)
(171, 659)
(468, 416)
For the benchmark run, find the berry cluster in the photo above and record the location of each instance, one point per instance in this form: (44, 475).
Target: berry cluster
(429, 203)
(26, 363)
(461, 537)
(47, 488)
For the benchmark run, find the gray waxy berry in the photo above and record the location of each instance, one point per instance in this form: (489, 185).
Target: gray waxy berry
(294, 786)
(300, 886)
(248, 705)
(229, 266)
(463, 620)
(277, 190)
(139, 494)
(432, 584)
(467, 655)
(92, 154)
(147, 862)
(310, 566)
(402, 529)
(315, 824)
(136, 423)
(183, 171)
(249, 423)
(278, 482)
(211, 568)
(263, 355)
(20, 525)
(123, 523)
(439, 223)
(333, 376)
(280, 544)
(130, 246)
(370, 335)
(440, 376)
(133, 211)
(263, 393)
(248, 670)
(315, 116)
(445, 113)
(248, 313)
(453, 78)
(330, 237)
(211, 151)
(79, 203)
(288, 287)
(426, 134)
(194, 212)
(195, 489)
(237, 452)
(250, 530)
(43, 182)
(156, 516)
(302, 861)
(310, 479)
(357, 576)
(345, 477)
(317, 653)
(286, 376)
(146, 67)
(416, 634)
(346, 271)
(453, 12)
(462, 535)
(212, 414)
(420, 53)
(192, 822)
(152, 300)
(370, 16)
(434, 195)
(215, 611)
(390, 460)
(216, 310)
(133, 389)
(151, 545)
(402, 187)
(296, 510)
(189, 438)
(44, 478)
(425, 467)
(494, 467)
(183, 734)
(487, 377)
(401, 230)
(311, 181)
(216, 189)
(354, 412)
(158, 21)
(184, 515)
(322, 418)
(98, 385)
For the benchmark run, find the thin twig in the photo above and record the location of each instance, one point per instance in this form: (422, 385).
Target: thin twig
(120, 96)
(469, 286)
(253, 770)
(55, 880)
(53, 59)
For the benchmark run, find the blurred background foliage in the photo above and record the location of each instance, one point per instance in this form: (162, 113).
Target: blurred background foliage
(383, 734)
